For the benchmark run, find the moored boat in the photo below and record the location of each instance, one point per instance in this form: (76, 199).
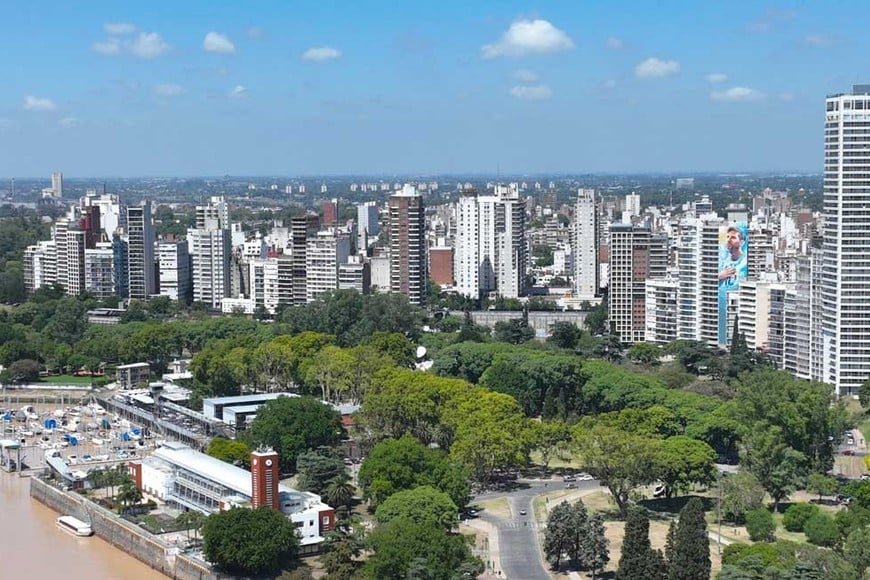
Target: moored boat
(75, 526)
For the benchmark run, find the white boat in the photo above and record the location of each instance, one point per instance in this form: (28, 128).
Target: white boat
(75, 526)
(97, 441)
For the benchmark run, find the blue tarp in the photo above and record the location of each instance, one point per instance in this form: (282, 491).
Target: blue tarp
(124, 436)
(73, 440)
(50, 424)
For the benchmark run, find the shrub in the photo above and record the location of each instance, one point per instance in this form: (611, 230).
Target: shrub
(760, 525)
(822, 530)
(797, 515)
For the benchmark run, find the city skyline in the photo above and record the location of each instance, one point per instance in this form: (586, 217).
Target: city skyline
(428, 89)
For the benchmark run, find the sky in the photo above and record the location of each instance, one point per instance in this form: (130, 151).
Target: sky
(168, 88)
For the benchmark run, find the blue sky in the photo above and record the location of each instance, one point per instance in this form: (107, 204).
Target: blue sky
(366, 87)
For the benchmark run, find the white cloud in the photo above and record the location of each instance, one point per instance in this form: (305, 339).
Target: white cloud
(149, 45)
(656, 68)
(237, 92)
(168, 90)
(822, 40)
(771, 19)
(528, 37)
(531, 92)
(614, 43)
(525, 76)
(321, 54)
(736, 94)
(118, 28)
(109, 47)
(216, 42)
(69, 122)
(716, 77)
(32, 103)
(255, 32)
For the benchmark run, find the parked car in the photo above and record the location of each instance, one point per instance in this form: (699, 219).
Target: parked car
(659, 490)
(849, 452)
(571, 486)
(584, 477)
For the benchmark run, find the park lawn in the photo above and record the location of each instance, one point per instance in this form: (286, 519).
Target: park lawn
(556, 462)
(68, 380)
(497, 507)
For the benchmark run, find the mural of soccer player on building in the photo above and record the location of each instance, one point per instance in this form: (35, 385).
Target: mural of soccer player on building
(733, 268)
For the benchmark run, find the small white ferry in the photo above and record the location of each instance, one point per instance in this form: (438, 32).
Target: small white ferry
(75, 526)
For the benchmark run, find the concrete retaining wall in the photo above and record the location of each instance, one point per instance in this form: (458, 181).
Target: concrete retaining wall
(133, 540)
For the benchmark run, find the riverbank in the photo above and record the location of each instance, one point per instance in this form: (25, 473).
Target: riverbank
(164, 560)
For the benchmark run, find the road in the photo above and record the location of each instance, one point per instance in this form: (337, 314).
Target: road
(519, 543)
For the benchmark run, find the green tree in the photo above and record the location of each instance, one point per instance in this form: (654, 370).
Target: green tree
(797, 515)
(292, 425)
(401, 541)
(423, 505)
(400, 464)
(250, 542)
(317, 468)
(821, 530)
(341, 550)
(21, 371)
(593, 548)
(596, 318)
(191, 520)
(339, 492)
(857, 550)
(741, 492)
(514, 331)
(128, 494)
(637, 559)
(621, 460)
(564, 334)
(233, 451)
(821, 484)
(395, 345)
(644, 353)
(685, 461)
(864, 394)
(760, 525)
(691, 552)
(471, 332)
(559, 533)
(779, 468)
(549, 437)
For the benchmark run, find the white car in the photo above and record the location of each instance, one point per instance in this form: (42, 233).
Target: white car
(584, 477)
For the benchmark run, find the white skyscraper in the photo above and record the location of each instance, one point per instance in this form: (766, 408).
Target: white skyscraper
(325, 252)
(140, 251)
(698, 292)
(490, 251)
(846, 244)
(632, 204)
(57, 184)
(173, 261)
(585, 245)
(99, 270)
(210, 247)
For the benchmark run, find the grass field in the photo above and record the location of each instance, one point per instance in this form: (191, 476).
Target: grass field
(497, 507)
(68, 380)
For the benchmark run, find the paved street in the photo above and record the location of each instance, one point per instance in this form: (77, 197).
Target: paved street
(518, 537)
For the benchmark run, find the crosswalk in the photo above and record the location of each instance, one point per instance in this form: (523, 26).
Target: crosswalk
(532, 525)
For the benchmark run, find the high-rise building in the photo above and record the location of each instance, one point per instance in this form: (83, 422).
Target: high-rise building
(76, 243)
(441, 265)
(175, 279)
(265, 283)
(210, 248)
(140, 251)
(57, 184)
(330, 212)
(355, 274)
(490, 248)
(40, 265)
(846, 246)
(324, 253)
(698, 265)
(301, 229)
(629, 270)
(661, 310)
(585, 246)
(120, 266)
(632, 204)
(100, 271)
(408, 259)
(368, 227)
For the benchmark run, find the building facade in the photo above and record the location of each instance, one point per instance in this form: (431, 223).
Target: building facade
(408, 258)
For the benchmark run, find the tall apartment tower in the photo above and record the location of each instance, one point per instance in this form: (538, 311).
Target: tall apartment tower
(846, 245)
(210, 248)
(408, 260)
(698, 291)
(57, 184)
(301, 228)
(176, 282)
(490, 250)
(140, 251)
(585, 245)
(632, 261)
(368, 227)
(265, 476)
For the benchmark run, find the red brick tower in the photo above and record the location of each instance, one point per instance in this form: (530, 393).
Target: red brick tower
(265, 474)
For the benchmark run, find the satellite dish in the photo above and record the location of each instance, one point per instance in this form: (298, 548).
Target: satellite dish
(421, 351)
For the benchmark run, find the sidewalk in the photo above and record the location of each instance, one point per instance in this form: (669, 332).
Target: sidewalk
(493, 548)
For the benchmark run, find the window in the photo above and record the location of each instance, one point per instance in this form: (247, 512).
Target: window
(325, 520)
(310, 522)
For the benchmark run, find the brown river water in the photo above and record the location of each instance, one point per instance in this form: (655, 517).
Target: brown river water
(34, 547)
